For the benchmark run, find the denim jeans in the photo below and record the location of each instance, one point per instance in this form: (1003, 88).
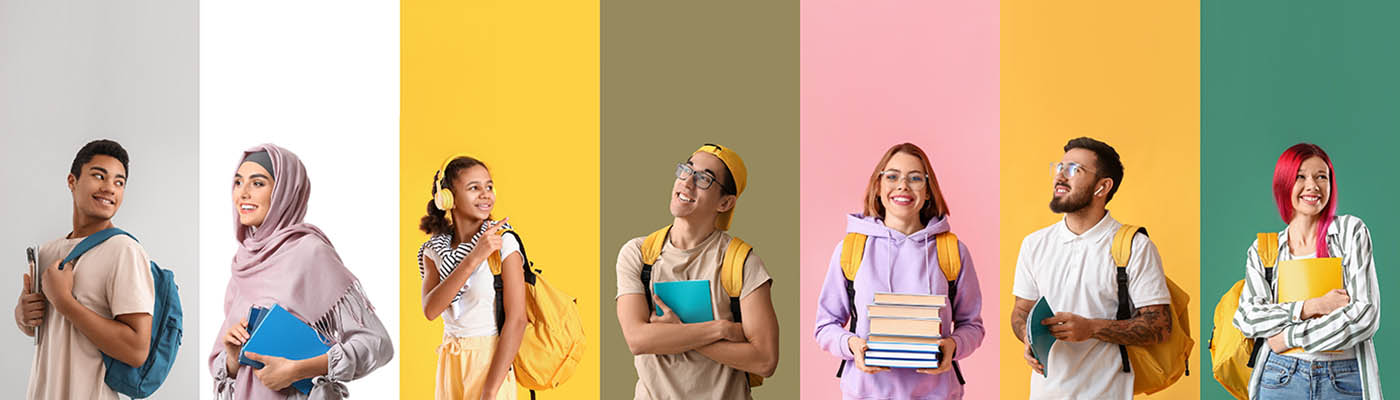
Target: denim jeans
(1288, 378)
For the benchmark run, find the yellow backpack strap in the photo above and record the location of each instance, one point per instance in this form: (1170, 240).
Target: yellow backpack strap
(494, 260)
(651, 246)
(852, 250)
(731, 276)
(1122, 249)
(1268, 249)
(1123, 244)
(1268, 256)
(651, 251)
(732, 271)
(949, 257)
(950, 261)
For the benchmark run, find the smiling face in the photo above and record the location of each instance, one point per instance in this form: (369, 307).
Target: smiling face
(1073, 194)
(689, 200)
(902, 196)
(98, 191)
(1312, 188)
(252, 193)
(473, 193)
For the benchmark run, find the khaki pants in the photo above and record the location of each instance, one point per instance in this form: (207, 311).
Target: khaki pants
(462, 366)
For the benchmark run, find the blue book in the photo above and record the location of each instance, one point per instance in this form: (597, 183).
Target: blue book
(897, 363)
(1039, 335)
(255, 315)
(283, 335)
(689, 299)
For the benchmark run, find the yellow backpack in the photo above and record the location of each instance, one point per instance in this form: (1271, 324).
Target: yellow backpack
(1154, 367)
(731, 275)
(1232, 354)
(554, 341)
(949, 260)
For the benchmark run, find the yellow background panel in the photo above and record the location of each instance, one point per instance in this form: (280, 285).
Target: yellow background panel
(1123, 72)
(514, 84)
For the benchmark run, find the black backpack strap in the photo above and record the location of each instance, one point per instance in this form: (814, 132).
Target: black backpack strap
(1121, 250)
(1268, 281)
(952, 300)
(1125, 311)
(499, 284)
(646, 287)
(850, 301)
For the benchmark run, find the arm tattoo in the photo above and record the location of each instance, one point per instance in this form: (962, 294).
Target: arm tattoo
(1018, 322)
(1149, 325)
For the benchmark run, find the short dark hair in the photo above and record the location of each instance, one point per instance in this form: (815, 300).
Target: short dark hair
(98, 147)
(1109, 165)
(727, 186)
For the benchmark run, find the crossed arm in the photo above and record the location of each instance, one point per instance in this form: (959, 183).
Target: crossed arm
(751, 346)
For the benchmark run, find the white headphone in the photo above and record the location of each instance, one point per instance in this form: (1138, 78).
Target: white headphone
(1096, 192)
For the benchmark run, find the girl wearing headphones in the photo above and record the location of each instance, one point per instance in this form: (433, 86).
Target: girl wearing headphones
(480, 337)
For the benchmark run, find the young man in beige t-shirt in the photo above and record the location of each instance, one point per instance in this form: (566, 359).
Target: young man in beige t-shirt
(102, 303)
(708, 360)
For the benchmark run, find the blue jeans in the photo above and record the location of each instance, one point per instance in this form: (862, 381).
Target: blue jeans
(1288, 378)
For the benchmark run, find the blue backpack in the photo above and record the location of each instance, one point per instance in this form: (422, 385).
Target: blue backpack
(167, 327)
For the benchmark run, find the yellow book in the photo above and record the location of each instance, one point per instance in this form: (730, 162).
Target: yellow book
(1307, 278)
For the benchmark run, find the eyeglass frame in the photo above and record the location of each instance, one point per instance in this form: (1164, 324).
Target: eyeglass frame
(1056, 168)
(685, 166)
(905, 177)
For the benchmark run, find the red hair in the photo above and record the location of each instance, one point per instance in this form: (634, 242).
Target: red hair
(1286, 173)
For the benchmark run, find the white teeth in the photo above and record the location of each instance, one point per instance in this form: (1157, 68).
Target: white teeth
(685, 198)
(247, 207)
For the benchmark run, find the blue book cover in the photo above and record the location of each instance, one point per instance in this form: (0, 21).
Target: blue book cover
(283, 335)
(255, 315)
(689, 299)
(895, 363)
(901, 355)
(1039, 335)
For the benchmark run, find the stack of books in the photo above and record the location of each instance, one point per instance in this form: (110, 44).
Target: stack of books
(904, 330)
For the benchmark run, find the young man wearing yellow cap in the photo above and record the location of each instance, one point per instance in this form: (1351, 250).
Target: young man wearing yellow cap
(720, 358)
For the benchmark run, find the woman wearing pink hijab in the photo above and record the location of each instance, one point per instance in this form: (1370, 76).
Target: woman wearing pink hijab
(284, 261)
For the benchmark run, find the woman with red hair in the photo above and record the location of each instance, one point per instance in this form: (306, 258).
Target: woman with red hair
(1334, 331)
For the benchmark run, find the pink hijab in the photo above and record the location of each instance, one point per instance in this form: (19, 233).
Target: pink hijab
(284, 261)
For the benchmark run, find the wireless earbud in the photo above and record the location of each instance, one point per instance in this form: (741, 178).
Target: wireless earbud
(1096, 192)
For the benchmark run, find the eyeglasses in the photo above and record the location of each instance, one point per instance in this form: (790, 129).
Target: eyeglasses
(915, 180)
(1070, 169)
(703, 180)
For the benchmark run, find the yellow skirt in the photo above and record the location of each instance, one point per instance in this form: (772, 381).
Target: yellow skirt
(463, 363)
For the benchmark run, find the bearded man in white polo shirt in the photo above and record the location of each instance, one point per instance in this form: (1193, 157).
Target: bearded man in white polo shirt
(1071, 266)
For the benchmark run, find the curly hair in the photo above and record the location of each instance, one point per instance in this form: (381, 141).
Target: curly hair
(436, 222)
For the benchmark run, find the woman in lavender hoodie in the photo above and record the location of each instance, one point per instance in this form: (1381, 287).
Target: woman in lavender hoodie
(903, 211)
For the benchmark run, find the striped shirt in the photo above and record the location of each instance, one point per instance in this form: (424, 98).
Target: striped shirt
(1349, 327)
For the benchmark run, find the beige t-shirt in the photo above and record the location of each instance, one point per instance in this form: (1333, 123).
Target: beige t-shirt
(688, 375)
(111, 279)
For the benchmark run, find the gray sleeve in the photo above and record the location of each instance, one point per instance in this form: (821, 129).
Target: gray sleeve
(223, 384)
(365, 344)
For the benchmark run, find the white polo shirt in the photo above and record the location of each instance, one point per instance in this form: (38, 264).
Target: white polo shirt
(1075, 273)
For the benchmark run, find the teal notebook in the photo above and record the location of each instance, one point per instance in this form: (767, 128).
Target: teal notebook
(689, 299)
(283, 335)
(1039, 335)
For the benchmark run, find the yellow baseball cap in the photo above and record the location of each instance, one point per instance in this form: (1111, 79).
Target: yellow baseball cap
(737, 171)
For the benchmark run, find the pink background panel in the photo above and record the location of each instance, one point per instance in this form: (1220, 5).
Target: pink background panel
(879, 73)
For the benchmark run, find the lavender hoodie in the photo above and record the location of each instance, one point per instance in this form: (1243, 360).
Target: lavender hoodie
(897, 263)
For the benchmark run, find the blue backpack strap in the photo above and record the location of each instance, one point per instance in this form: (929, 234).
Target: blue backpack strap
(92, 241)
